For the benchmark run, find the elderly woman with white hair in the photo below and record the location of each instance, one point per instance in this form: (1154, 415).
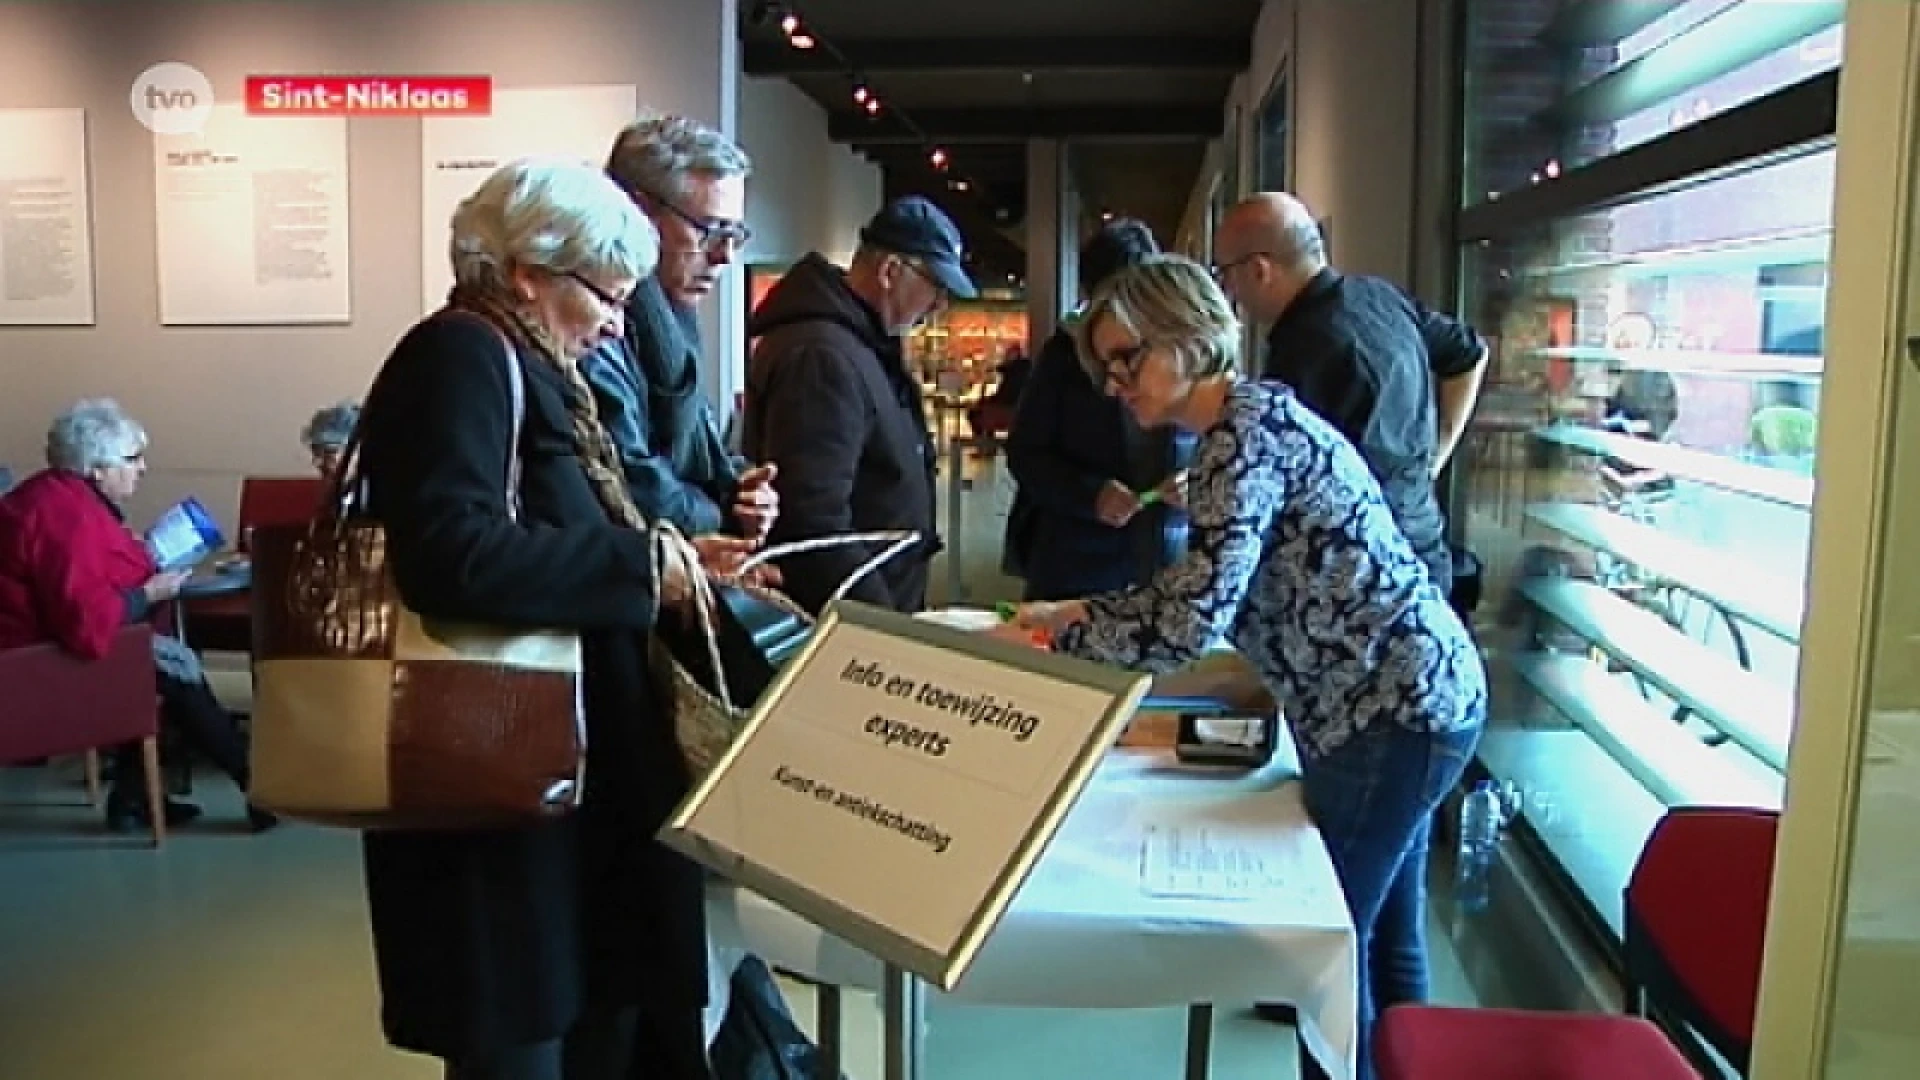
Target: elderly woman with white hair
(573, 948)
(327, 434)
(72, 573)
(1294, 559)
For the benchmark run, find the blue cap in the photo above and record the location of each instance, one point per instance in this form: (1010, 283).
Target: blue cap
(914, 227)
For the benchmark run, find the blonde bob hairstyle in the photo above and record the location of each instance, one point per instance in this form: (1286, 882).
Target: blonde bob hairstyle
(1169, 302)
(552, 213)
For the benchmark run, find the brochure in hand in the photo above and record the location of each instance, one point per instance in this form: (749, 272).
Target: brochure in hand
(183, 536)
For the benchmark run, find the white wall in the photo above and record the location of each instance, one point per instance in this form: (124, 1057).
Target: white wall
(224, 402)
(1354, 83)
(807, 193)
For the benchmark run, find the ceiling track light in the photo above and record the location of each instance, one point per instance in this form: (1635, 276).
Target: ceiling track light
(867, 100)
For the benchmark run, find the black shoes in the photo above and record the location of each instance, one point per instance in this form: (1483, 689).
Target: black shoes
(130, 815)
(260, 820)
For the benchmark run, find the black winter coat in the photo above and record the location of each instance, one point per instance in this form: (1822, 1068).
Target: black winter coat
(1068, 439)
(490, 939)
(830, 401)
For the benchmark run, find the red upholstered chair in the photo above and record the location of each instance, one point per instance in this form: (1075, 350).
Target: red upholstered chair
(1696, 917)
(1430, 1042)
(278, 500)
(225, 622)
(1694, 960)
(58, 705)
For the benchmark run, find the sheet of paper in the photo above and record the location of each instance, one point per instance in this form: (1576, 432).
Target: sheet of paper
(1210, 862)
(46, 250)
(458, 152)
(251, 221)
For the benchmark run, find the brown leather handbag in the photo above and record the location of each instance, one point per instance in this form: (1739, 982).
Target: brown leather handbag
(368, 715)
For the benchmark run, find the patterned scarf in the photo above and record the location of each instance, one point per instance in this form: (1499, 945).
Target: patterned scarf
(595, 447)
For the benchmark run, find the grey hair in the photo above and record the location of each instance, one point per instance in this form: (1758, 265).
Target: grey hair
(656, 154)
(561, 215)
(331, 427)
(1168, 301)
(93, 434)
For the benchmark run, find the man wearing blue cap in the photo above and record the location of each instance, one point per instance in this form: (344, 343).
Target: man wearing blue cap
(831, 403)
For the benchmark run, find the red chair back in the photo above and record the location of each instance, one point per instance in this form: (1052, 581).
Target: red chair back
(278, 500)
(1696, 920)
(57, 704)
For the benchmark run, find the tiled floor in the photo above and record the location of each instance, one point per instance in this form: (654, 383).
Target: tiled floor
(226, 956)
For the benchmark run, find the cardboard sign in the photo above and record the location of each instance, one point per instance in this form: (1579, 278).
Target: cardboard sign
(899, 779)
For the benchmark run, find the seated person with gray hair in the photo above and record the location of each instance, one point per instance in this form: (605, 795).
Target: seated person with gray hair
(327, 433)
(72, 573)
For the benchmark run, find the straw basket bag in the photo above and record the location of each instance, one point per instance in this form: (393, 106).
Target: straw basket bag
(718, 659)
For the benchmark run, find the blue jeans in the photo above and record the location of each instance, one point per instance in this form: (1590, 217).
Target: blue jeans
(1373, 799)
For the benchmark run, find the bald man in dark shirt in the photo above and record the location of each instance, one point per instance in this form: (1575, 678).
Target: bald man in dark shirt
(1397, 379)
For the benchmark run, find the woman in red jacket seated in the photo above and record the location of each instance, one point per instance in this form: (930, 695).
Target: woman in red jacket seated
(72, 573)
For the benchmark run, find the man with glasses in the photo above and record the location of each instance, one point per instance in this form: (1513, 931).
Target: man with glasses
(1399, 381)
(831, 403)
(691, 182)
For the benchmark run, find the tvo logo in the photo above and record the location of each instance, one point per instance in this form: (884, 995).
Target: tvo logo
(171, 98)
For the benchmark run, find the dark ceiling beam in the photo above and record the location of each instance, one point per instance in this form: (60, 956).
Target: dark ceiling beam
(880, 56)
(959, 126)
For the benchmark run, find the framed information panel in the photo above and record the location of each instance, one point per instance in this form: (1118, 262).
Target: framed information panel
(899, 780)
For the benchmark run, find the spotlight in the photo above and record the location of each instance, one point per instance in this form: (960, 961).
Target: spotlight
(959, 185)
(789, 23)
(801, 41)
(873, 105)
(861, 93)
(938, 157)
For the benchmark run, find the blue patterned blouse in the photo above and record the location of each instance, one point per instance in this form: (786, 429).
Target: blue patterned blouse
(1294, 558)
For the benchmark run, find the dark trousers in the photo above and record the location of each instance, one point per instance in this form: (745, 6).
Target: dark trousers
(605, 1044)
(1373, 800)
(188, 709)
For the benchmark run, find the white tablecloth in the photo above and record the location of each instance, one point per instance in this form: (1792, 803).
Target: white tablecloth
(1088, 931)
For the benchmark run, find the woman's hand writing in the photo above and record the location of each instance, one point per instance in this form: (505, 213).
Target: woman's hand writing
(1173, 490)
(1050, 617)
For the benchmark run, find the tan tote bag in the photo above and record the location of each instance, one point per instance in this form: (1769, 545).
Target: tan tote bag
(370, 716)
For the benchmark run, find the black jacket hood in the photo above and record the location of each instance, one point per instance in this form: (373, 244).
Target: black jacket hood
(815, 290)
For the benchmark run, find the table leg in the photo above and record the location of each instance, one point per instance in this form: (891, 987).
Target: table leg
(826, 999)
(902, 999)
(1199, 1041)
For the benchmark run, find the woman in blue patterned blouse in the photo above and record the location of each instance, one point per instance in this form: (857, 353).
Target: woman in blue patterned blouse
(1295, 560)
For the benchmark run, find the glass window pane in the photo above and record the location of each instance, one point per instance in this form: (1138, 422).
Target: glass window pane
(1637, 482)
(1553, 85)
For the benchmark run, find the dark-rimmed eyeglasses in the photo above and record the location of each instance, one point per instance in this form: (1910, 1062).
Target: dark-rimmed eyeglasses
(1121, 367)
(612, 302)
(1221, 270)
(711, 232)
(926, 274)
